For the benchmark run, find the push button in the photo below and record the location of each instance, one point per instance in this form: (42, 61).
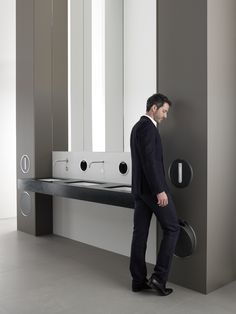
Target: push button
(180, 173)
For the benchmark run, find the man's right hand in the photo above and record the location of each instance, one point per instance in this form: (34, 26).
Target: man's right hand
(162, 199)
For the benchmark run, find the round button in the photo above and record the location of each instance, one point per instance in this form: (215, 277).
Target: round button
(180, 173)
(83, 165)
(123, 168)
(25, 164)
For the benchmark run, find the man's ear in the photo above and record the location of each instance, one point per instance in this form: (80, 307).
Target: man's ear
(155, 108)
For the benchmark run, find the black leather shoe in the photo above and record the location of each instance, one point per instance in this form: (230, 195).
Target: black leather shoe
(160, 287)
(144, 286)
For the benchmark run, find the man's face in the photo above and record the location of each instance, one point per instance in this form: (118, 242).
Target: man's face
(161, 113)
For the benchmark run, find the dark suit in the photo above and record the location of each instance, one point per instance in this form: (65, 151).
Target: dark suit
(148, 179)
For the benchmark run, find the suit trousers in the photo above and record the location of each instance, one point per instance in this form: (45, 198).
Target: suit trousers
(145, 206)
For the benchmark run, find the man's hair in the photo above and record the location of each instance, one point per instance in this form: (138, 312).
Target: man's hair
(158, 100)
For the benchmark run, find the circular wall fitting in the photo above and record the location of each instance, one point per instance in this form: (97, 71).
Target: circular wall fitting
(187, 241)
(83, 165)
(25, 204)
(123, 168)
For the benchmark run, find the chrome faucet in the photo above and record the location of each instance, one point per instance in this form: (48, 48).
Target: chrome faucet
(62, 160)
(96, 162)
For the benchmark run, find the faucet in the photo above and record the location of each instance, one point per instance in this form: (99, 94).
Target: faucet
(96, 162)
(62, 160)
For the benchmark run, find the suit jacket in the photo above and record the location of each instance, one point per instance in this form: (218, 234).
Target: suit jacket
(148, 174)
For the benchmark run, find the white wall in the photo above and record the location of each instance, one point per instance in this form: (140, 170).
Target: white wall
(7, 105)
(140, 56)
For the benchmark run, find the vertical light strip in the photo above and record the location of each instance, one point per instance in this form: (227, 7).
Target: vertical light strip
(98, 75)
(69, 74)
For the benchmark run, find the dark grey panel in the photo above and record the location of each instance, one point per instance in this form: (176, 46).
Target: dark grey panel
(43, 87)
(60, 76)
(38, 71)
(182, 75)
(24, 83)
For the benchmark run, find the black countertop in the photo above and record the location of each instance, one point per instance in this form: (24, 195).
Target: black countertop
(106, 193)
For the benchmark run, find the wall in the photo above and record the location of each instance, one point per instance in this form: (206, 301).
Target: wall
(182, 75)
(41, 102)
(221, 185)
(140, 66)
(7, 105)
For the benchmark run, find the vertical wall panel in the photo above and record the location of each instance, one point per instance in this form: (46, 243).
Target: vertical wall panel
(221, 182)
(182, 75)
(41, 79)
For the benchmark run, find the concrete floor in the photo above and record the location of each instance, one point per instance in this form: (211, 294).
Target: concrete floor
(56, 275)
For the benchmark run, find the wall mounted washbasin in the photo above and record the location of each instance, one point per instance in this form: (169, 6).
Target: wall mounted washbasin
(120, 188)
(51, 180)
(99, 192)
(83, 183)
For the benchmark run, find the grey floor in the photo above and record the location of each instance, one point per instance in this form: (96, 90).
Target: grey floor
(56, 275)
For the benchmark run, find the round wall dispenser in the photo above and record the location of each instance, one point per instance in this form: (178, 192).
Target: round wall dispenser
(25, 163)
(180, 173)
(83, 165)
(25, 204)
(187, 240)
(123, 168)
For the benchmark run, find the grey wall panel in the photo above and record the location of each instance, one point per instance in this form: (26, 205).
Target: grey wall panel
(60, 75)
(42, 87)
(24, 83)
(41, 78)
(221, 259)
(182, 75)
(25, 104)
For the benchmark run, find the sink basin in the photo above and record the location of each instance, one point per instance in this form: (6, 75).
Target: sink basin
(51, 180)
(120, 188)
(83, 183)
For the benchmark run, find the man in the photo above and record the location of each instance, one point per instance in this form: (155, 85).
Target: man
(151, 195)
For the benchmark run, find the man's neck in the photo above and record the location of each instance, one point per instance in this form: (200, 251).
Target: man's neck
(151, 118)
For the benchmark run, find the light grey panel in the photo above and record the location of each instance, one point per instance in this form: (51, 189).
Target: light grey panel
(114, 74)
(182, 75)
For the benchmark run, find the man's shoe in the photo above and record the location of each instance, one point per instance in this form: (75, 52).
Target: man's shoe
(160, 287)
(144, 286)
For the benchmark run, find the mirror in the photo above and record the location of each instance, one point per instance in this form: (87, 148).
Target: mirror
(112, 70)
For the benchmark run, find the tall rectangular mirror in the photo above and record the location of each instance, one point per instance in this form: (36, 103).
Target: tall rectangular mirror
(112, 70)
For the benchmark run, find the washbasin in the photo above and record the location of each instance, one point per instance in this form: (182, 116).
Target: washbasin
(83, 183)
(51, 180)
(120, 188)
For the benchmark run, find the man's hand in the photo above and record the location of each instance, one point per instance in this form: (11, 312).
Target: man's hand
(162, 199)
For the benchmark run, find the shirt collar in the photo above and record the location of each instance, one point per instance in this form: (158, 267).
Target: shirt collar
(153, 121)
